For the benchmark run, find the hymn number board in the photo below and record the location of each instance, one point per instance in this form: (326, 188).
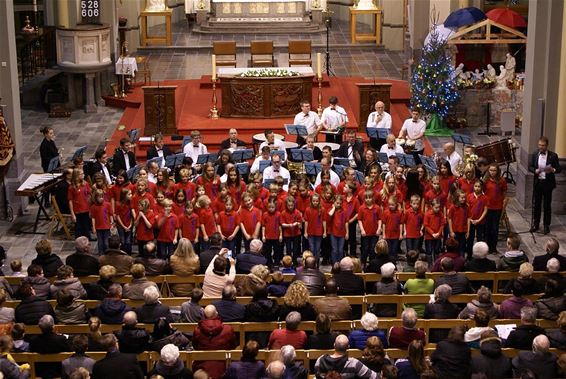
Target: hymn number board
(90, 11)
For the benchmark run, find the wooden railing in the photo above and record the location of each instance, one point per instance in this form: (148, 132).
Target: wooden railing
(36, 53)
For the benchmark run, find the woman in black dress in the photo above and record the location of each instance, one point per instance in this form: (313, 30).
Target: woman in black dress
(47, 150)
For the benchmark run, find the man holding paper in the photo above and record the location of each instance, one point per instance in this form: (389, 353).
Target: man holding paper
(334, 119)
(378, 119)
(309, 120)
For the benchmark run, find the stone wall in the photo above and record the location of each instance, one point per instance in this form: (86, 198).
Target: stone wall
(473, 103)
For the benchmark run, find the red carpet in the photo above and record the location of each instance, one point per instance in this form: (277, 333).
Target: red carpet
(194, 99)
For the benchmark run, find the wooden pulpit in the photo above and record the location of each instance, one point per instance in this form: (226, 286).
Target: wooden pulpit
(159, 110)
(371, 93)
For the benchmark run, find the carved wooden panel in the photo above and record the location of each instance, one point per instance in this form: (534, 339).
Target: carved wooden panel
(370, 93)
(247, 99)
(285, 98)
(159, 110)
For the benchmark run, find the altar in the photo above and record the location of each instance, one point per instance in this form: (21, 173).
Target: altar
(264, 97)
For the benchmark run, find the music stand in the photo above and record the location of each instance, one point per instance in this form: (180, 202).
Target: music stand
(382, 133)
(54, 164)
(134, 135)
(431, 170)
(174, 160)
(268, 182)
(263, 165)
(302, 155)
(487, 123)
(382, 157)
(133, 172)
(157, 160)
(186, 140)
(463, 139)
(359, 176)
(427, 160)
(281, 154)
(205, 158)
(406, 160)
(295, 129)
(342, 162)
(243, 168)
(371, 132)
(312, 168)
(79, 153)
(339, 169)
(242, 155)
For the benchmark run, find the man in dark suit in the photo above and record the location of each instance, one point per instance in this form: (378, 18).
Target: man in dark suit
(233, 141)
(116, 365)
(544, 163)
(100, 165)
(124, 159)
(351, 149)
(48, 342)
(158, 149)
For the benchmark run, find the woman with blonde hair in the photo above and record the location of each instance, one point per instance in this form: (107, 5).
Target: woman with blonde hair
(258, 276)
(94, 334)
(526, 280)
(381, 257)
(184, 262)
(374, 355)
(297, 299)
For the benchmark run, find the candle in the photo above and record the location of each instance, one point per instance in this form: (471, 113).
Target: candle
(318, 65)
(213, 67)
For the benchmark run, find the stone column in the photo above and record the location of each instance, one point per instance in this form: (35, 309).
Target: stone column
(63, 13)
(98, 90)
(10, 94)
(542, 71)
(90, 106)
(560, 139)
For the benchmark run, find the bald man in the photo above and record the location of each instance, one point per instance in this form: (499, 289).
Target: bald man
(350, 369)
(232, 142)
(378, 119)
(452, 157)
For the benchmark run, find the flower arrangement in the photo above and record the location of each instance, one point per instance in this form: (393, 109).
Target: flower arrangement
(268, 73)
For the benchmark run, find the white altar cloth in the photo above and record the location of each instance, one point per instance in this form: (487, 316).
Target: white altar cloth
(126, 66)
(231, 71)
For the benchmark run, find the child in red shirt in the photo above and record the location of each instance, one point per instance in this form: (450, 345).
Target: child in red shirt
(466, 182)
(435, 192)
(370, 225)
(179, 202)
(120, 183)
(250, 220)
(351, 205)
(79, 202)
(228, 224)
(477, 204)
(291, 222)
(495, 188)
(189, 225)
(236, 186)
(458, 221)
(206, 220)
(303, 198)
(125, 219)
(272, 233)
(141, 193)
(209, 180)
(102, 220)
(315, 225)
(413, 219)
(337, 229)
(392, 227)
(168, 226)
(144, 224)
(447, 178)
(186, 185)
(433, 225)
(218, 205)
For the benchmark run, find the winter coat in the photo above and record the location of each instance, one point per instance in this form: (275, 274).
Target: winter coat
(73, 285)
(349, 368)
(154, 266)
(549, 308)
(245, 369)
(522, 337)
(174, 371)
(543, 364)
(83, 264)
(456, 259)
(74, 313)
(358, 338)
(557, 338)
(451, 360)
(31, 309)
(191, 312)
(511, 307)
(40, 285)
(512, 260)
(134, 289)
(132, 340)
(335, 307)
(11, 370)
(480, 265)
(111, 311)
(49, 262)
(119, 259)
(176, 338)
(307, 312)
(491, 309)
(491, 362)
(151, 313)
(99, 289)
(314, 281)
(386, 286)
(180, 267)
(211, 334)
(230, 310)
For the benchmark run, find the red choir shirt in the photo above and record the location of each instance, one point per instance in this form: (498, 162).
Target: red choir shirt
(320, 187)
(168, 229)
(402, 187)
(237, 191)
(476, 206)
(178, 209)
(210, 186)
(290, 218)
(80, 197)
(337, 223)
(446, 182)
(206, 218)
(115, 191)
(143, 233)
(383, 199)
(326, 205)
(271, 222)
(303, 201)
(151, 188)
(369, 218)
(218, 205)
(315, 219)
(249, 218)
(341, 186)
(350, 207)
(168, 191)
(189, 188)
(102, 214)
(228, 221)
(263, 193)
(189, 225)
(124, 211)
(459, 218)
(392, 223)
(258, 203)
(495, 193)
(282, 195)
(440, 196)
(137, 197)
(466, 185)
(413, 221)
(433, 223)
(279, 204)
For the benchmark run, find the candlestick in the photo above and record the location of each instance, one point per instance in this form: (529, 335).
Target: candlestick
(318, 65)
(214, 110)
(213, 67)
(319, 109)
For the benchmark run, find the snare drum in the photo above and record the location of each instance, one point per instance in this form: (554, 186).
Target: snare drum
(409, 146)
(400, 141)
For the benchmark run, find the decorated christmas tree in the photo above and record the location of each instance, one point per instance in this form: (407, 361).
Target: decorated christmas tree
(433, 86)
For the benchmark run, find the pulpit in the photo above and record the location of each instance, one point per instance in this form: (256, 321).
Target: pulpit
(370, 93)
(159, 110)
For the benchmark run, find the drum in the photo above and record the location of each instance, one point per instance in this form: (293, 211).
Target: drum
(400, 141)
(409, 146)
(500, 152)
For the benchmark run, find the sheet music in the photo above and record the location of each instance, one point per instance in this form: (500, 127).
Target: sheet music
(35, 180)
(504, 330)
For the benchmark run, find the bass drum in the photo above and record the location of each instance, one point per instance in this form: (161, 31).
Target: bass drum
(500, 152)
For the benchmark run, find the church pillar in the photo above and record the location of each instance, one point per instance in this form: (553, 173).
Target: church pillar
(10, 94)
(560, 139)
(63, 13)
(90, 106)
(542, 71)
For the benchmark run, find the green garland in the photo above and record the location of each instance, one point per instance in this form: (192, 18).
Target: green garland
(268, 73)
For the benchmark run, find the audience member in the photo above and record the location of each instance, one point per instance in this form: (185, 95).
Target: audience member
(228, 309)
(153, 265)
(415, 364)
(511, 307)
(522, 337)
(551, 303)
(79, 344)
(31, 308)
(49, 262)
(48, 342)
(152, 309)
(552, 272)
(442, 308)
(419, 285)
(192, 311)
(491, 363)
(116, 257)
(323, 337)
(452, 357)
(215, 278)
(94, 334)
(313, 279)
(349, 284)
(539, 360)
(347, 367)
(275, 370)
(116, 365)
(7, 314)
(131, 339)
(290, 335)
(170, 365)
(163, 334)
(473, 335)
(69, 310)
(483, 302)
(557, 337)
(258, 276)
(38, 281)
(261, 309)
(551, 247)
(525, 278)
(184, 262)
(387, 285)
(8, 366)
(380, 258)
(452, 252)
(18, 334)
(277, 286)
(208, 255)
(374, 355)
(66, 280)
(513, 257)
(401, 336)
(480, 262)
(297, 299)
(293, 370)
(111, 309)
(248, 366)
(134, 290)
(82, 260)
(412, 257)
(248, 259)
(458, 282)
(358, 337)
(335, 307)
